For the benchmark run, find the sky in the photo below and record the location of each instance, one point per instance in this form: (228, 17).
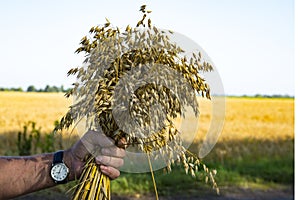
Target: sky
(251, 42)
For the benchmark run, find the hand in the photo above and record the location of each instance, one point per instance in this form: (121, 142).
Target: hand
(106, 153)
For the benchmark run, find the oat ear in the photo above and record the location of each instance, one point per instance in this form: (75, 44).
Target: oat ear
(96, 93)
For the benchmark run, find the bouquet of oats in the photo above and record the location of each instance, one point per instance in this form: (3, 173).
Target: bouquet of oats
(133, 84)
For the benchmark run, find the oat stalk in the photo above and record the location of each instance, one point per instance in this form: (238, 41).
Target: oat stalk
(111, 57)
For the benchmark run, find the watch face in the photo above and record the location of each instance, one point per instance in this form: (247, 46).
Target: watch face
(59, 172)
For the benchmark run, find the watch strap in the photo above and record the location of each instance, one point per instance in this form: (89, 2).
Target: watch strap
(58, 157)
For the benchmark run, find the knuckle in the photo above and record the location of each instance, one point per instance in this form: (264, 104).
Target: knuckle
(105, 151)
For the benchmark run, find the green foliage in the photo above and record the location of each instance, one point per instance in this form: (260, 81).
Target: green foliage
(247, 163)
(253, 161)
(48, 88)
(24, 142)
(168, 184)
(32, 88)
(51, 89)
(31, 141)
(19, 89)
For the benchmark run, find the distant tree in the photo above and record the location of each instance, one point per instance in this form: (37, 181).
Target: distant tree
(47, 88)
(62, 88)
(19, 89)
(31, 88)
(54, 89)
(51, 89)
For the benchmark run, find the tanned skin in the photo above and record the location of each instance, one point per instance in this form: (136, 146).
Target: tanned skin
(21, 175)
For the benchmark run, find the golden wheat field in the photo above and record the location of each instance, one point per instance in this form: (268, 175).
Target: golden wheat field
(17, 108)
(262, 118)
(255, 148)
(258, 118)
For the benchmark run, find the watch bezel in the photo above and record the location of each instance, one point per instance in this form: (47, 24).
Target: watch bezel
(58, 160)
(65, 168)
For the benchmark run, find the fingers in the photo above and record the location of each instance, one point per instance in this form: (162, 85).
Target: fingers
(96, 143)
(113, 151)
(109, 161)
(93, 138)
(106, 153)
(93, 141)
(112, 156)
(113, 173)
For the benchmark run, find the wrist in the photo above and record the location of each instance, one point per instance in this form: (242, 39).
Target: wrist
(74, 166)
(68, 160)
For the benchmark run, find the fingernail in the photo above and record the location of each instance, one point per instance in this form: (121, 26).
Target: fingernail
(104, 170)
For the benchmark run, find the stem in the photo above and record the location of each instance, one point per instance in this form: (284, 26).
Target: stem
(153, 179)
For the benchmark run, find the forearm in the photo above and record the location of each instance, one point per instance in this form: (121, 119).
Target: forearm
(22, 175)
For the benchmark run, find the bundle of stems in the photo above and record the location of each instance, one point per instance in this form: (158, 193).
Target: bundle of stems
(112, 98)
(93, 183)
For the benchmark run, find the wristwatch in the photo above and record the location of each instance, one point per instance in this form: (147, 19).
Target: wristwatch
(59, 170)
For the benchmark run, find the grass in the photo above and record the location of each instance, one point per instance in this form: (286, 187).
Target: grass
(141, 184)
(255, 149)
(261, 171)
(256, 163)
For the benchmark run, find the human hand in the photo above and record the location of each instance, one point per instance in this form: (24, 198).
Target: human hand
(107, 155)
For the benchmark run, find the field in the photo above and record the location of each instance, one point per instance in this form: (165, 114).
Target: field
(43, 108)
(254, 152)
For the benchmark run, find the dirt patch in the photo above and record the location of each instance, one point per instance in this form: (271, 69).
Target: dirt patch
(227, 194)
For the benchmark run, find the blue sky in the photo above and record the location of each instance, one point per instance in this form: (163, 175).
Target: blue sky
(251, 42)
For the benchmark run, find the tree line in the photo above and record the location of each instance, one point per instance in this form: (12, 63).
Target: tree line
(32, 88)
(49, 88)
